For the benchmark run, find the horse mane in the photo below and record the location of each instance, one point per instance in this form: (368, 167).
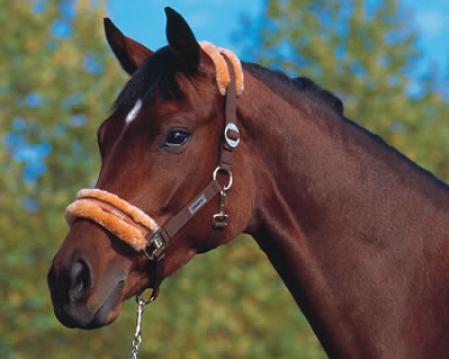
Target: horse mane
(284, 84)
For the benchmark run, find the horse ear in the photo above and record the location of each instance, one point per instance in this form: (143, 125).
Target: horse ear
(181, 40)
(129, 53)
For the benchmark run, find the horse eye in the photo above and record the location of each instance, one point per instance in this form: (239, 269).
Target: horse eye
(176, 138)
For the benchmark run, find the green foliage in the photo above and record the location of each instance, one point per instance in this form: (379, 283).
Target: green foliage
(55, 90)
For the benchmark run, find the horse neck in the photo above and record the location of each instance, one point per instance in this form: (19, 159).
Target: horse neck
(358, 233)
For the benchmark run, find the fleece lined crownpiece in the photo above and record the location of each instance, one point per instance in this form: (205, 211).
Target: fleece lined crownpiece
(126, 221)
(221, 68)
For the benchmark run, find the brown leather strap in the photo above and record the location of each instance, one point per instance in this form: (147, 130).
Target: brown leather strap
(231, 96)
(175, 224)
(230, 117)
(157, 270)
(157, 241)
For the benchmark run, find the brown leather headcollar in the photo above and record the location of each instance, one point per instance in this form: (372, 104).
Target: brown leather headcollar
(138, 229)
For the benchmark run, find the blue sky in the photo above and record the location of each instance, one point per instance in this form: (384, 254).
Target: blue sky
(144, 20)
(216, 20)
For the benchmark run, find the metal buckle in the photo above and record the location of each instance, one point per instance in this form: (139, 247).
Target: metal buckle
(229, 141)
(220, 220)
(155, 249)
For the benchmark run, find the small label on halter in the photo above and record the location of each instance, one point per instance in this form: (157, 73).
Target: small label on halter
(197, 204)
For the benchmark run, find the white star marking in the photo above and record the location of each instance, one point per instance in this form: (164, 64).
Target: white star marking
(134, 112)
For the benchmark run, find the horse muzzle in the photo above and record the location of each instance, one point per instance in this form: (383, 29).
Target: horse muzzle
(86, 287)
(72, 301)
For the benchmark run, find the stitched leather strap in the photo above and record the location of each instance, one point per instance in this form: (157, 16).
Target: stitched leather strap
(175, 224)
(157, 241)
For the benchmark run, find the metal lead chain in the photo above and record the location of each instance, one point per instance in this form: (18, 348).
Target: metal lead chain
(141, 304)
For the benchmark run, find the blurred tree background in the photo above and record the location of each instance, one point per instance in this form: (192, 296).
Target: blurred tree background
(57, 81)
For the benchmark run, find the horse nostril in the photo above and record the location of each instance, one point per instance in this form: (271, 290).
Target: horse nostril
(79, 276)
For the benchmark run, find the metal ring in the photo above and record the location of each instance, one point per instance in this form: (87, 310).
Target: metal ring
(228, 185)
(232, 143)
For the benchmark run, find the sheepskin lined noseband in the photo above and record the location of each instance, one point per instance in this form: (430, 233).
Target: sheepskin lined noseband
(137, 228)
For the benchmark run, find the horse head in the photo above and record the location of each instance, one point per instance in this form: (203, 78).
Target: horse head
(159, 148)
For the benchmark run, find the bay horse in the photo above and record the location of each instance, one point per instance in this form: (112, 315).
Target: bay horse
(358, 232)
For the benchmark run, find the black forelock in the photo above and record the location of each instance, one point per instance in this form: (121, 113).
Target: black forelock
(284, 84)
(156, 77)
